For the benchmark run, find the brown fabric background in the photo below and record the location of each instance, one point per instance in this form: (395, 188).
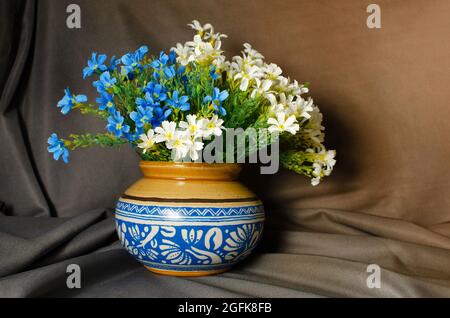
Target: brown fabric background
(384, 95)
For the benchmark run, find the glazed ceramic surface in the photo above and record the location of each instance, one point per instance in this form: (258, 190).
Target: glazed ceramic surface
(189, 219)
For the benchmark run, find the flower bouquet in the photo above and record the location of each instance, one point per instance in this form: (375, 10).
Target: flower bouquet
(168, 108)
(171, 109)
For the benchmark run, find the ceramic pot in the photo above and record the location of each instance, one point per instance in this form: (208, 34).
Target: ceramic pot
(189, 219)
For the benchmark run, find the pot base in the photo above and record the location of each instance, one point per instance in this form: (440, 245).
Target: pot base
(185, 274)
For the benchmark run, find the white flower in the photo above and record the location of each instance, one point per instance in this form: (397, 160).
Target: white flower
(247, 75)
(315, 181)
(166, 132)
(272, 99)
(272, 72)
(198, 46)
(282, 124)
(276, 99)
(282, 84)
(193, 126)
(180, 143)
(202, 30)
(279, 104)
(251, 61)
(204, 51)
(313, 127)
(216, 39)
(184, 54)
(220, 63)
(326, 158)
(317, 174)
(278, 108)
(295, 89)
(323, 161)
(204, 48)
(252, 53)
(148, 141)
(301, 107)
(252, 57)
(261, 88)
(212, 126)
(194, 148)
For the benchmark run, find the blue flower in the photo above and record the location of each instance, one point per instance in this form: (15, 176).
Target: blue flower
(106, 101)
(113, 64)
(106, 82)
(142, 116)
(69, 101)
(148, 101)
(169, 71)
(161, 62)
(179, 102)
(172, 57)
(132, 61)
(116, 125)
(213, 73)
(135, 135)
(57, 147)
(156, 91)
(160, 114)
(184, 80)
(95, 64)
(181, 70)
(216, 100)
(141, 52)
(156, 76)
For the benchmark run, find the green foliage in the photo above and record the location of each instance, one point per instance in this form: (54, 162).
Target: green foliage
(157, 153)
(297, 161)
(92, 109)
(199, 85)
(243, 110)
(89, 140)
(255, 142)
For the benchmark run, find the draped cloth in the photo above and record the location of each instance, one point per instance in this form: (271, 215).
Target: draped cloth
(384, 95)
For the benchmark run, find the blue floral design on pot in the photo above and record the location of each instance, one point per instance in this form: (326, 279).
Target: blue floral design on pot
(188, 239)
